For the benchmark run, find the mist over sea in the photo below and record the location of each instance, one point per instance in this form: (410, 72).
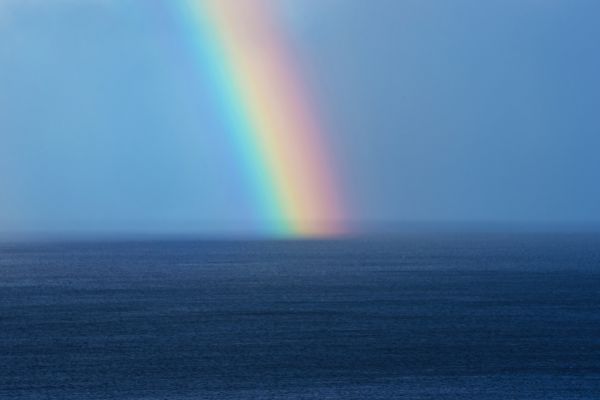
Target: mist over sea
(422, 316)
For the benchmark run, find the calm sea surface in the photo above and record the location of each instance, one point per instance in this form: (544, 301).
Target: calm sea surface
(413, 317)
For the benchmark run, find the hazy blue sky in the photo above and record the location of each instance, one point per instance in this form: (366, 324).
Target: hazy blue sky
(461, 110)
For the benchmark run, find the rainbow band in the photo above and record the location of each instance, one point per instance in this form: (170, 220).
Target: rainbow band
(277, 135)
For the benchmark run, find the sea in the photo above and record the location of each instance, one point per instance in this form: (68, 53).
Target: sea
(415, 316)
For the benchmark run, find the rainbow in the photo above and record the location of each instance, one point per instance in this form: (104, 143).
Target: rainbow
(278, 137)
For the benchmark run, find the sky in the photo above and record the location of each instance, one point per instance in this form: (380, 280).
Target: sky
(434, 112)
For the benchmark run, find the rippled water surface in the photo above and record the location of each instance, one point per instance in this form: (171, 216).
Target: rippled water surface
(411, 317)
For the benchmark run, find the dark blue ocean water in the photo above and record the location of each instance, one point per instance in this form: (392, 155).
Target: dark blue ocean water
(412, 317)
